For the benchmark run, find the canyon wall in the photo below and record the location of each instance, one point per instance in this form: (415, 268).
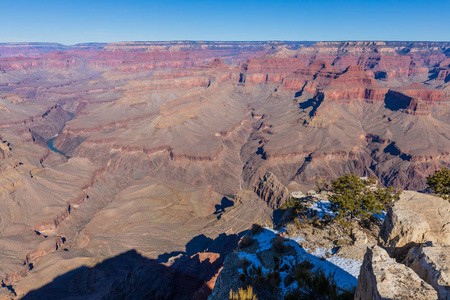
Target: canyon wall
(165, 134)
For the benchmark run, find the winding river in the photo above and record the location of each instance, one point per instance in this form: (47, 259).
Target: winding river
(50, 141)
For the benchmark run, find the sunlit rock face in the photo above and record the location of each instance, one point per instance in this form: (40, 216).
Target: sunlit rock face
(146, 140)
(413, 262)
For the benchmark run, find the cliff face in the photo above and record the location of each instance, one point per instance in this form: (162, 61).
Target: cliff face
(415, 234)
(163, 130)
(432, 264)
(270, 189)
(382, 278)
(416, 218)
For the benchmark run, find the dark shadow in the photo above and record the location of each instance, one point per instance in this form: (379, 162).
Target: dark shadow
(400, 253)
(404, 51)
(132, 276)
(433, 74)
(312, 103)
(307, 103)
(241, 78)
(447, 52)
(199, 243)
(261, 152)
(9, 288)
(277, 216)
(298, 94)
(380, 75)
(220, 208)
(392, 149)
(395, 101)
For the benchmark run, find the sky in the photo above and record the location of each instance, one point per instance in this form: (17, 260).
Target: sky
(76, 21)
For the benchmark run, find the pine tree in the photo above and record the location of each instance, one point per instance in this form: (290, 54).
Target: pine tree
(354, 197)
(439, 182)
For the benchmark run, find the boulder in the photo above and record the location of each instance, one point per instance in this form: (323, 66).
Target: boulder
(432, 264)
(381, 277)
(358, 236)
(414, 219)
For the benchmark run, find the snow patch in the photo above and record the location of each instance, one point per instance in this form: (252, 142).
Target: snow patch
(252, 258)
(381, 216)
(322, 208)
(265, 239)
(298, 239)
(351, 266)
(345, 271)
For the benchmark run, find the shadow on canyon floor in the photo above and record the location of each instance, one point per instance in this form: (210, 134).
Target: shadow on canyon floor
(132, 276)
(220, 208)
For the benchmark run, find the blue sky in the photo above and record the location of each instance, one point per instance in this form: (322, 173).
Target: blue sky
(75, 21)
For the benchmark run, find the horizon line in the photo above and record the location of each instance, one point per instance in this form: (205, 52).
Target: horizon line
(230, 41)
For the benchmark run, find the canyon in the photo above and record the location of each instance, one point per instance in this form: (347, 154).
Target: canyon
(167, 152)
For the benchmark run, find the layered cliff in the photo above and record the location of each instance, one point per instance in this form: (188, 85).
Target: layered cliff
(163, 131)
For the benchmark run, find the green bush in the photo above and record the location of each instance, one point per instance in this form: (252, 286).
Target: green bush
(256, 229)
(278, 244)
(323, 285)
(245, 263)
(354, 197)
(246, 242)
(306, 264)
(321, 184)
(439, 182)
(314, 284)
(276, 261)
(294, 204)
(274, 279)
(264, 283)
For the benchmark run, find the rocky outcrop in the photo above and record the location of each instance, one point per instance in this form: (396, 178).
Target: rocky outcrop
(271, 190)
(414, 219)
(432, 264)
(415, 233)
(416, 99)
(158, 117)
(381, 277)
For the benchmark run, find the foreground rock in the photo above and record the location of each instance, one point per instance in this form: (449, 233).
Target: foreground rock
(416, 234)
(381, 277)
(432, 264)
(415, 219)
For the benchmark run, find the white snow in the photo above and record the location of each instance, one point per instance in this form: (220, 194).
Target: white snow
(252, 258)
(322, 208)
(351, 266)
(381, 216)
(265, 239)
(297, 238)
(254, 261)
(345, 271)
(288, 260)
(320, 252)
